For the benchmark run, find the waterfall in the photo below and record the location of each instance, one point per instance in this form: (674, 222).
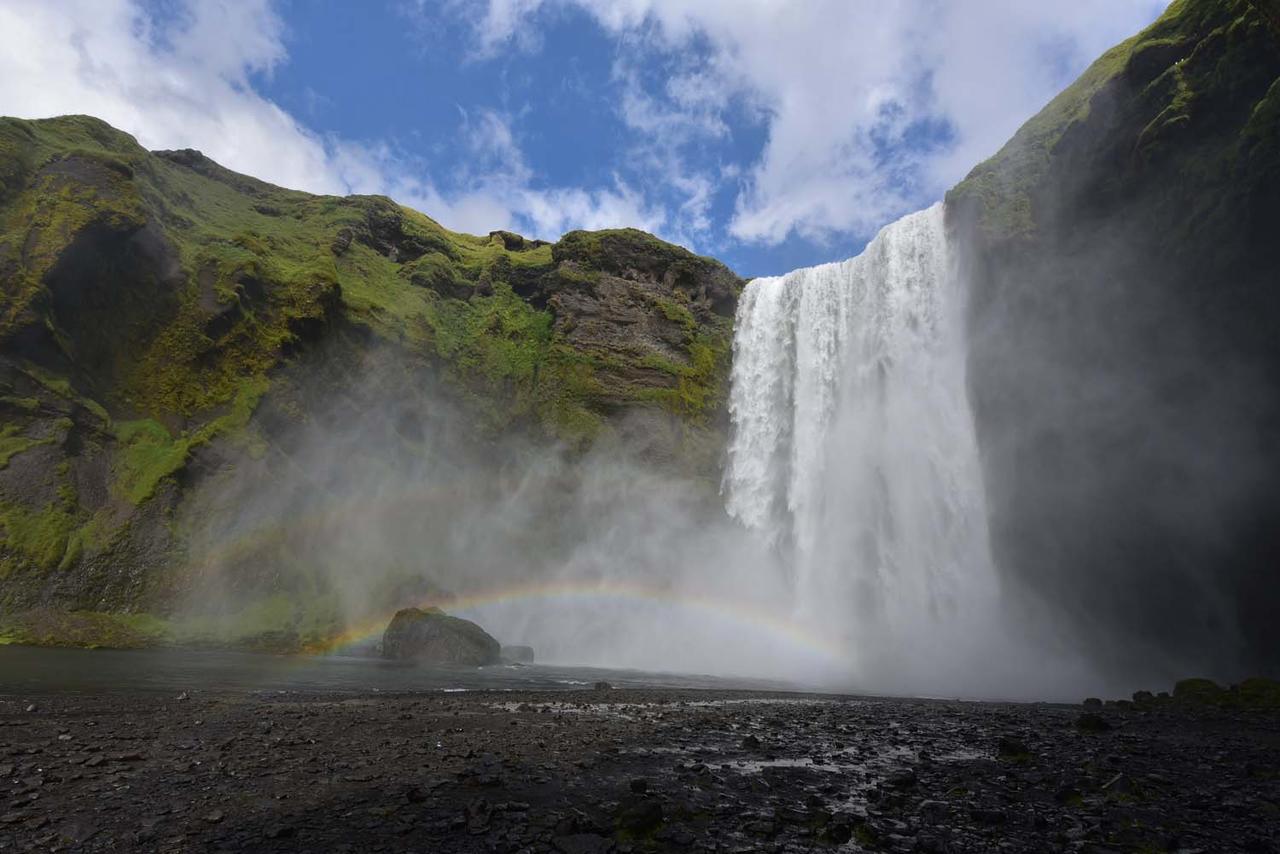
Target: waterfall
(853, 452)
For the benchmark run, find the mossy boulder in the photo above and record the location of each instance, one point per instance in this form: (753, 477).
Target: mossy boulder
(1256, 693)
(433, 637)
(1198, 691)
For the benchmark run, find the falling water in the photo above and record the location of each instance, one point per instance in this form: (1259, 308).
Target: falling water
(854, 454)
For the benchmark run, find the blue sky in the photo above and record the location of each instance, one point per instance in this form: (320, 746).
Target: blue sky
(771, 134)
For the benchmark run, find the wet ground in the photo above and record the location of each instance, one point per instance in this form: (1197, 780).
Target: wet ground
(63, 670)
(584, 769)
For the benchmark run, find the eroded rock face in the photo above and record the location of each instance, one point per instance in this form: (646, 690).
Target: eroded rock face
(433, 637)
(1124, 367)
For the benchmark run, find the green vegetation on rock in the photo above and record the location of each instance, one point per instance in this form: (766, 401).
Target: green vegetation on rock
(153, 304)
(1159, 73)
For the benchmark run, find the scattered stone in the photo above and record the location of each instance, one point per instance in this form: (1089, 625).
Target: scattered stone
(668, 774)
(751, 743)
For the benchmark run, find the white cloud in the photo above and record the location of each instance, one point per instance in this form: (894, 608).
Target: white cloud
(495, 190)
(839, 84)
(186, 83)
(184, 88)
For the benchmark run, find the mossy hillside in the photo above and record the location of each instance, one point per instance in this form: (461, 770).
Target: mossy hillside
(256, 261)
(1152, 82)
(151, 300)
(262, 264)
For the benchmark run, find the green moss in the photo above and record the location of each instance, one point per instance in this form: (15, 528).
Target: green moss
(700, 387)
(228, 229)
(13, 443)
(675, 312)
(1260, 693)
(149, 453)
(208, 284)
(1198, 690)
(36, 537)
(26, 404)
(281, 623)
(61, 387)
(89, 629)
(1158, 59)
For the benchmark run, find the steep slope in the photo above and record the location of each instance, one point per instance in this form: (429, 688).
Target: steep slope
(164, 321)
(1124, 363)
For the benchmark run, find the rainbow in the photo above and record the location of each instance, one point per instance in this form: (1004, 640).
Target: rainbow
(410, 503)
(747, 614)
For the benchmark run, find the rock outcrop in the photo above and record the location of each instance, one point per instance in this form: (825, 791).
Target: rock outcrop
(433, 637)
(1124, 364)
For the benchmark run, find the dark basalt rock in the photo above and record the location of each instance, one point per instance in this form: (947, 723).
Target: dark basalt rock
(434, 637)
(1122, 360)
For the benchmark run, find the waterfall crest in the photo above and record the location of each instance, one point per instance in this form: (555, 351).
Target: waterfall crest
(854, 454)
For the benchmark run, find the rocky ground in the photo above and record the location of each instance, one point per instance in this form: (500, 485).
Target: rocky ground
(629, 770)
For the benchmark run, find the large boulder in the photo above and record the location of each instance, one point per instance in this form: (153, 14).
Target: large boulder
(434, 637)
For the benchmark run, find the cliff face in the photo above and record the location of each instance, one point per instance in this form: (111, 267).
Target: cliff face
(166, 323)
(1124, 365)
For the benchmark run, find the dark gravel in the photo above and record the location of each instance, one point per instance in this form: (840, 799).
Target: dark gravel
(629, 770)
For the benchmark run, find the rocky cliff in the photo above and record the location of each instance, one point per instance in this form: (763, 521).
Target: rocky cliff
(166, 323)
(1124, 365)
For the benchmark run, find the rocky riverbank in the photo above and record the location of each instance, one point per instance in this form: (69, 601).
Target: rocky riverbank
(629, 770)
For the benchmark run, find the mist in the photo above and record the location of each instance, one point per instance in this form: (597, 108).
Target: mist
(938, 481)
(386, 496)
(847, 547)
